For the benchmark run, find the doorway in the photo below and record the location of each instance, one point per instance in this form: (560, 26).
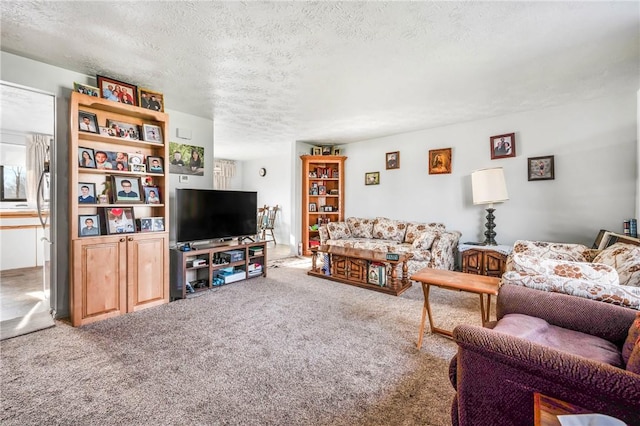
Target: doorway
(27, 145)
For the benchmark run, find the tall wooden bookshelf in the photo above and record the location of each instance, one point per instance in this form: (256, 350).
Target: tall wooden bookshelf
(123, 267)
(322, 195)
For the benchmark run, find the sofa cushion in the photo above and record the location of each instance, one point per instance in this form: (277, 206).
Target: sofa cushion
(539, 331)
(625, 259)
(415, 229)
(338, 230)
(360, 227)
(557, 251)
(389, 229)
(632, 340)
(425, 240)
(594, 272)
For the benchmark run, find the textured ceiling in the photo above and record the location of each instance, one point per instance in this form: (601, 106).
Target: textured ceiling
(269, 73)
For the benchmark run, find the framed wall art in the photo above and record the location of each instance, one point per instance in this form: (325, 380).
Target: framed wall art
(117, 91)
(372, 178)
(439, 161)
(392, 160)
(541, 168)
(503, 146)
(151, 100)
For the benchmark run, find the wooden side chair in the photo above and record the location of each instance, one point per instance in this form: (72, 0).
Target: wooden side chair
(268, 223)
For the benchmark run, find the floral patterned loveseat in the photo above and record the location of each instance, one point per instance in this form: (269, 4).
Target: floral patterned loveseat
(609, 275)
(430, 243)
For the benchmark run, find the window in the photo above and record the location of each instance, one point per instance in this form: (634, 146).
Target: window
(13, 173)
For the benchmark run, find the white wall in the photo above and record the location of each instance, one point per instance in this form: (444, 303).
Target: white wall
(595, 149)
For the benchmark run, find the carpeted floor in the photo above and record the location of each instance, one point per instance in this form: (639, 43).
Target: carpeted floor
(284, 350)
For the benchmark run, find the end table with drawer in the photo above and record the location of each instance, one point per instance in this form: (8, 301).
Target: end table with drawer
(484, 260)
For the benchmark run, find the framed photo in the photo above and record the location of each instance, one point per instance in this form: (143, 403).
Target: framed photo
(503, 146)
(126, 189)
(146, 224)
(316, 150)
(157, 224)
(119, 220)
(138, 168)
(135, 158)
(541, 168)
(326, 150)
(117, 91)
(87, 191)
(393, 160)
(313, 207)
(336, 151)
(107, 131)
(124, 130)
(439, 161)
(151, 100)
(88, 225)
(372, 178)
(86, 158)
(155, 164)
(88, 122)
(86, 90)
(151, 133)
(152, 195)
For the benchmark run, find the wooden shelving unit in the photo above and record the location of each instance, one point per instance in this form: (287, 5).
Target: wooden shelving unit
(322, 190)
(117, 273)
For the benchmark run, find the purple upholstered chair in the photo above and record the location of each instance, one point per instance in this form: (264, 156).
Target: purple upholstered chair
(495, 373)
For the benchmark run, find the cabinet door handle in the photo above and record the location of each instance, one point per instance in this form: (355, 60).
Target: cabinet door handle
(130, 238)
(122, 240)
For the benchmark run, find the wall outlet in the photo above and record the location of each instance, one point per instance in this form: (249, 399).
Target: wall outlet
(183, 178)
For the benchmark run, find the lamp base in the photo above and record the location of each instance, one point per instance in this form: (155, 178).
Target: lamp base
(490, 234)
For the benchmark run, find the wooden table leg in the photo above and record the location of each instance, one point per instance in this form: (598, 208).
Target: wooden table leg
(425, 309)
(314, 255)
(405, 273)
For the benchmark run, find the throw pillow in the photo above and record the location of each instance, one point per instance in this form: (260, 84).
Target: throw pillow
(389, 229)
(632, 340)
(624, 258)
(415, 229)
(597, 273)
(557, 251)
(425, 240)
(338, 230)
(360, 227)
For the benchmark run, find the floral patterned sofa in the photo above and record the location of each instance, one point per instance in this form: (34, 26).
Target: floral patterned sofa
(430, 243)
(609, 275)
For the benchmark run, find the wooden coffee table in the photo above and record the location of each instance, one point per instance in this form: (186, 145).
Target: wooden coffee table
(350, 266)
(471, 283)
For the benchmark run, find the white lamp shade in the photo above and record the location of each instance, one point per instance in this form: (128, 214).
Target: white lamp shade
(489, 186)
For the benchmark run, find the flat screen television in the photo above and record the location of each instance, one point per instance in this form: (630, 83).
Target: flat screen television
(208, 214)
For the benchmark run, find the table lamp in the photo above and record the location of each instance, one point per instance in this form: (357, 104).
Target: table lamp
(488, 187)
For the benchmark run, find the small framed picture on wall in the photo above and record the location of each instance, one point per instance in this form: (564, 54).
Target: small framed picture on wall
(503, 146)
(541, 168)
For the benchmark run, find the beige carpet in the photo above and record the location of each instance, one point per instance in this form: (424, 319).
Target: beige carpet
(284, 350)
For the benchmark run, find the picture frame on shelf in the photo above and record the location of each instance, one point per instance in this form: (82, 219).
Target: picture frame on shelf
(372, 178)
(85, 89)
(541, 168)
(150, 99)
(152, 133)
(503, 146)
(157, 224)
(138, 168)
(313, 207)
(119, 220)
(152, 195)
(322, 190)
(117, 91)
(88, 122)
(126, 189)
(440, 161)
(155, 164)
(326, 150)
(316, 150)
(146, 224)
(86, 158)
(87, 193)
(392, 160)
(107, 131)
(88, 225)
(124, 130)
(120, 160)
(336, 151)
(135, 158)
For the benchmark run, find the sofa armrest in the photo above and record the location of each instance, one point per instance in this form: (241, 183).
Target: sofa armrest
(444, 250)
(605, 320)
(497, 375)
(323, 232)
(626, 296)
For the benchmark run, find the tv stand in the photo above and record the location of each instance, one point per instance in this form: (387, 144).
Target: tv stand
(241, 239)
(202, 269)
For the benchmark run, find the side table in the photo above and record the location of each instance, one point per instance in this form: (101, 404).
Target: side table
(484, 260)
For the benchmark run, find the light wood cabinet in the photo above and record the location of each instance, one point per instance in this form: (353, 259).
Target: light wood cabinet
(322, 195)
(114, 273)
(483, 262)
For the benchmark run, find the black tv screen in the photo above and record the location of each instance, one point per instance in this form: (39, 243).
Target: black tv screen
(208, 214)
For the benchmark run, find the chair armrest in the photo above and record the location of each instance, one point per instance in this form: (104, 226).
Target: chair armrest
(444, 250)
(622, 295)
(497, 375)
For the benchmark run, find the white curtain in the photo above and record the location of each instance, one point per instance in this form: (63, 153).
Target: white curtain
(37, 153)
(223, 171)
